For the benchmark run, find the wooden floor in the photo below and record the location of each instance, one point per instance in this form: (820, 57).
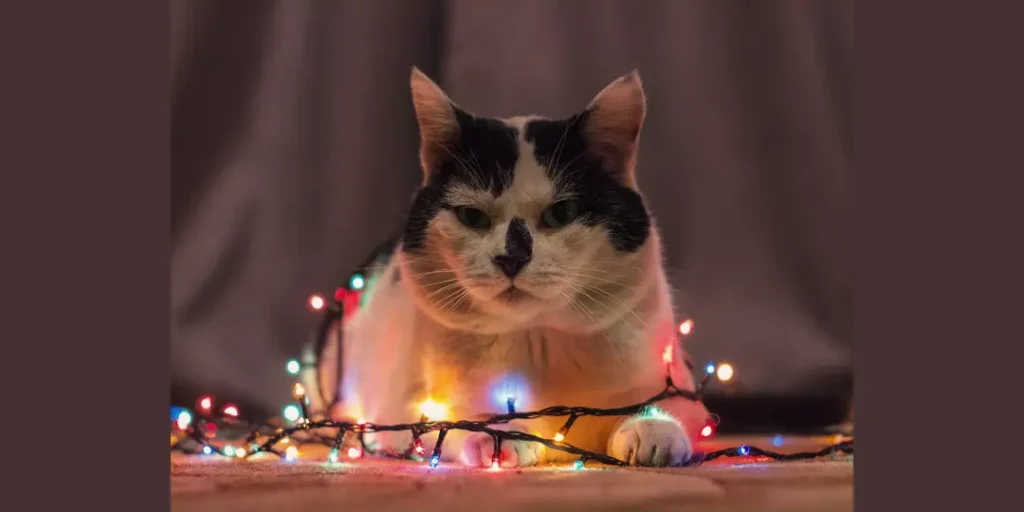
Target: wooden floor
(201, 483)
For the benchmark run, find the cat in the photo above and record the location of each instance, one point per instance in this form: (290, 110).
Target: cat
(529, 267)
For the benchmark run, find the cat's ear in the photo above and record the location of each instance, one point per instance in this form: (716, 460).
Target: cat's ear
(613, 122)
(438, 124)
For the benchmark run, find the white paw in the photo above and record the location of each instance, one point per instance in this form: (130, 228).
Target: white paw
(478, 451)
(646, 441)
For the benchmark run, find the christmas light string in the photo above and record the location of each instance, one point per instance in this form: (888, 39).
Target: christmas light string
(199, 429)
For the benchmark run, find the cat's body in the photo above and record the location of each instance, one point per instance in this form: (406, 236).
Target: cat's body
(529, 268)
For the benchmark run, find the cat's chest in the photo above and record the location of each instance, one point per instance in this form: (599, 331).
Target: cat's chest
(535, 368)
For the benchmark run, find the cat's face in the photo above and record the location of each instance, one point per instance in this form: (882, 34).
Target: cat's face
(527, 217)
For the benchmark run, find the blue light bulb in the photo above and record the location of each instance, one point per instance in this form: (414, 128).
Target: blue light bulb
(434, 461)
(744, 450)
(292, 412)
(777, 440)
(578, 464)
(333, 457)
(207, 450)
(710, 368)
(357, 282)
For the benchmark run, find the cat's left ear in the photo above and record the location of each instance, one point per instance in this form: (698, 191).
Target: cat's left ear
(438, 125)
(613, 122)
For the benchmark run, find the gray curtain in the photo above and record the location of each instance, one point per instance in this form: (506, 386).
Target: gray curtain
(294, 154)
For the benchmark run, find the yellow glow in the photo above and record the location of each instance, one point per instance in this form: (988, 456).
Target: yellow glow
(291, 453)
(240, 453)
(285, 440)
(298, 391)
(686, 327)
(361, 421)
(559, 437)
(434, 411)
(725, 372)
(666, 356)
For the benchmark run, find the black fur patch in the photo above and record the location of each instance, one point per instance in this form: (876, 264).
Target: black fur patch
(560, 147)
(483, 154)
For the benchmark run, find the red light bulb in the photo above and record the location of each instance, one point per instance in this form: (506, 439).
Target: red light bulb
(204, 403)
(316, 302)
(230, 410)
(340, 294)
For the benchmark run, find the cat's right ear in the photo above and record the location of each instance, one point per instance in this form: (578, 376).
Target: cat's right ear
(438, 124)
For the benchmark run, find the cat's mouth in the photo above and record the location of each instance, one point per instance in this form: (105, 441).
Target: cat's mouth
(513, 295)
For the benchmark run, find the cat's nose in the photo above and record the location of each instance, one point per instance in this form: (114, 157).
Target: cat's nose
(511, 264)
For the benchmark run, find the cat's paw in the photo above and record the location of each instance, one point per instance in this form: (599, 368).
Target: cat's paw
(478, 451)
(651, 441)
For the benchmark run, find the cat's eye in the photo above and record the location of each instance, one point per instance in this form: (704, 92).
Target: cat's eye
(560, 214)
(472, 217)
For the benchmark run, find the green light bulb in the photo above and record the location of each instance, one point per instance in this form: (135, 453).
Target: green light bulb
(293, 367)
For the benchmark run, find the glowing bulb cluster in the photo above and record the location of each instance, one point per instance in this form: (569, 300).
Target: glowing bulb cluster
(432, 410)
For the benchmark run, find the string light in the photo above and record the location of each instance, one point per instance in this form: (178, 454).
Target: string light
(339, 295)
(293, 367)
(316, 302)
(777, 440)
(686, 327)
(433, 414)
(725, 372)
(229, 451)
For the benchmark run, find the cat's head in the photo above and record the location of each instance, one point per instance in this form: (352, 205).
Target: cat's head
(527, 217)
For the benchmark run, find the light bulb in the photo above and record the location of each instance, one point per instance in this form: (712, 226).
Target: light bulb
(435, 460)
(725, 372)
(293, 367)
(578, 465)
(709, 368)
(357, 282)
(354, 453)
(559, 437)
(686, 327)
(291, 453)
(230, 410)
(434, 411)
(205, 402)
(291, 412)
(298, 390)
(184, 419)
(207, 450)
(706, 431)
(333, 456)
(316, 302)
(229, 451)
(744, 450)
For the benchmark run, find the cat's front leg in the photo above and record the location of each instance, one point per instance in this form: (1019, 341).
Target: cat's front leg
(478, 449)
(658, 439)
(653, 441)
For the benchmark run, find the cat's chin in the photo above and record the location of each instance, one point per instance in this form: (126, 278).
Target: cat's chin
(514, 295)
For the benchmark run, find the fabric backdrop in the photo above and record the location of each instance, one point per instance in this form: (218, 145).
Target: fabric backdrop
(294, 154)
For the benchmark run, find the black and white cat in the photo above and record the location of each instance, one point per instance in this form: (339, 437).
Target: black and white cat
(529, 267)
